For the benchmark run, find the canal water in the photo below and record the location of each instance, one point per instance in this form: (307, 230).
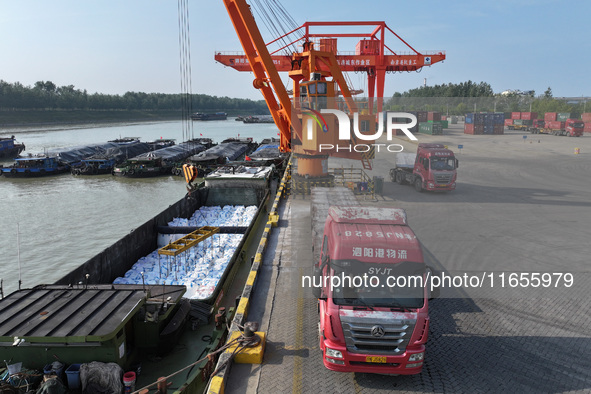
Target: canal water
(64, 220)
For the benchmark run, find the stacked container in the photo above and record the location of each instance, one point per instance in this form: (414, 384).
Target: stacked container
(562, 116)
(515, 115)
(586, 118)
(433, 115)
(524, 122)
(529, 115)
(433, 128)
(484, 123)
(550, 116)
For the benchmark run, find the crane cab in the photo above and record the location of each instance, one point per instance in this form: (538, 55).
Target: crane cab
(317, 94)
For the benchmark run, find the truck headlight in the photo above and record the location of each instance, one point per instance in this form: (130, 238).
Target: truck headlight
(417, 357)
(431, 184)
(414, 365)
(333, 353)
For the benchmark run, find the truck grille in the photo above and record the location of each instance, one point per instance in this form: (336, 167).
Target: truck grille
(443, 178)
(359, 338)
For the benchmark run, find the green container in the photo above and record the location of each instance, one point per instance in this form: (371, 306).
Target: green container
(444, 123)
(432, 128)
(518, 122)
(562, 116)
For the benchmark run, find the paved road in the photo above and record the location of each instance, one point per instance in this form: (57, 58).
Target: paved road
(520, 206)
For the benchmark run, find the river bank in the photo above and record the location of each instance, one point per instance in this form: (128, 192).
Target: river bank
(33, 118)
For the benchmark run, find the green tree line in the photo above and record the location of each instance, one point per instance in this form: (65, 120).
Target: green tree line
(45, 95)
(464, 97)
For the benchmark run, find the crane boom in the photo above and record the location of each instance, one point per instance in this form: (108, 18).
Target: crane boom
(267, 78)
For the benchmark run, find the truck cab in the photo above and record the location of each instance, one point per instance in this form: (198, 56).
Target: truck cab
(371, 322)
(574, 127)
(436, 166)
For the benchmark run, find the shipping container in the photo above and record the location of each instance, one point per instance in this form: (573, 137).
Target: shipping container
(499, 118)
(562, 116)
(433, 128)
(367, 47)
(444, 123)
(555, 125)
(529, 115)
(508, 122)
(586, 117)
(524, 122)
(433, 115)
(473, 129)
(587, 128)
(550, 116)
(469, 119)
(422, 116)
(499, 129)
(515, 115)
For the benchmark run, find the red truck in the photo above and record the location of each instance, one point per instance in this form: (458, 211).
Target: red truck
(382, 325)
(571, 128)
(432, 168)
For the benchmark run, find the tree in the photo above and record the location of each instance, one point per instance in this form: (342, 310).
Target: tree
(548, 93)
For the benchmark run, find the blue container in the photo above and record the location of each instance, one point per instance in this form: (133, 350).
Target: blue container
(470, 118)
(73, 375)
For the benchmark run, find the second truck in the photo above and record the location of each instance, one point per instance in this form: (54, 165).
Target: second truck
(432, 168)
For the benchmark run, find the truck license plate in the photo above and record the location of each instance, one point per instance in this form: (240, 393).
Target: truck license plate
(370, 359)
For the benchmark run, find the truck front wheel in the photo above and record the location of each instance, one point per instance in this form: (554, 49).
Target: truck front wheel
(399, 178)
(419, 185)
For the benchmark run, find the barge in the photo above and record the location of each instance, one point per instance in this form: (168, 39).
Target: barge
(34, 166)
(9, 148)
(150, 330)
(159, 162)
(209, 116)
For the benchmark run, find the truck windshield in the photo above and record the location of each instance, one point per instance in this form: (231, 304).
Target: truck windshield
(443, 163)
(397, 285)
(578, 125)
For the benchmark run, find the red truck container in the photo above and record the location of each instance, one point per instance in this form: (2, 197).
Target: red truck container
(570, 128)
(508, 122)
(587, 127)
(529, 115)
(555, 125)
(586, 117)
(432, 168)
(381, 329)
(550, 116)
(515, 115)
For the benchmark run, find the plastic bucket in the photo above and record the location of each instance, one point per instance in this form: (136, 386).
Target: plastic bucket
(54, 368)
(73, 376)
(129, 382)
(577, 151)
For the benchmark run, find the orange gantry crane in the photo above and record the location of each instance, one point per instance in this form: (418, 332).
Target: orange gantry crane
(318, 80)
(372, 55)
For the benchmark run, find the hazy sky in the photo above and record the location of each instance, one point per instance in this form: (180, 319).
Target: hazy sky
(113, 46)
